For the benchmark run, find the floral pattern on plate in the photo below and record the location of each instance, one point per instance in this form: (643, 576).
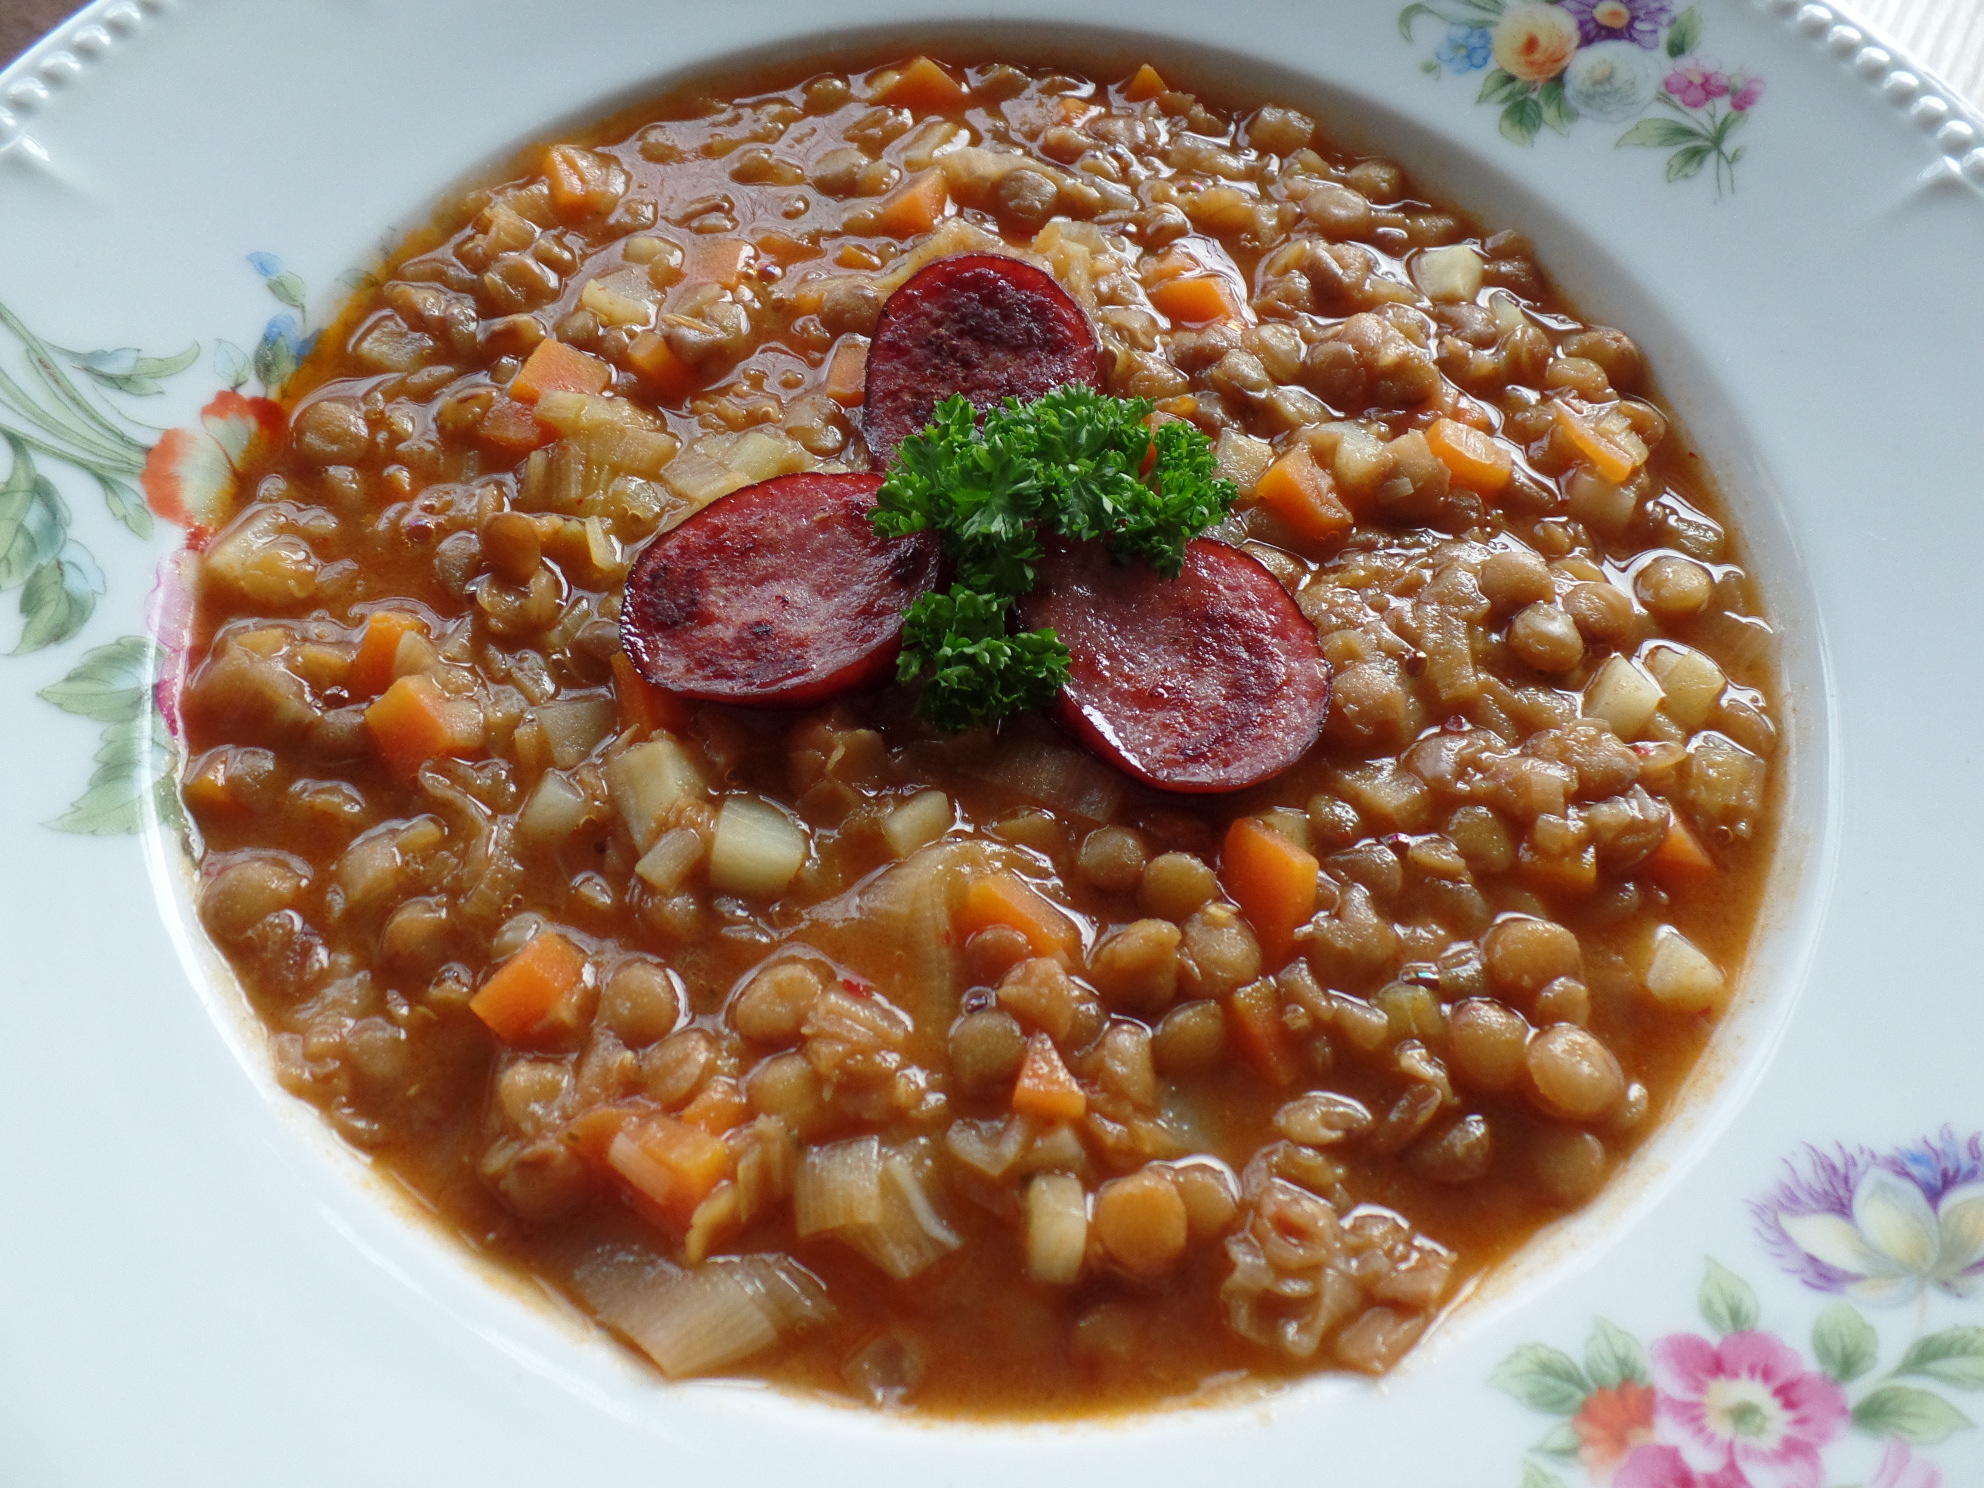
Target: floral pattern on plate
(1550, 63)
(1741, 1406)
(73, 409)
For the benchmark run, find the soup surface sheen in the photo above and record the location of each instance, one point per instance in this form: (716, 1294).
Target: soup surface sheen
(965, 1072)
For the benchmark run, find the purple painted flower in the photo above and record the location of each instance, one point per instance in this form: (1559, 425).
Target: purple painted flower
(1697, 82)
(1747, 1403)
(1637, 21)
(1745, 88)
(1880, 1229)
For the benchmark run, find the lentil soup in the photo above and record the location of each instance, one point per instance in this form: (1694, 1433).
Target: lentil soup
(973, 1072)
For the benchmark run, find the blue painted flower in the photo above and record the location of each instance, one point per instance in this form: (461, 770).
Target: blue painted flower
(1466, 49)
(1881, 1228)
(1637, 21)
(265, 264)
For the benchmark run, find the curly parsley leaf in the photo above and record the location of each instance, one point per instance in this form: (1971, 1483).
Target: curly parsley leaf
(1074, 463)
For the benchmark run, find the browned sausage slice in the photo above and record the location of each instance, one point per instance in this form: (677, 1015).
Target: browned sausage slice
(981, 325)
(1212, 681)
(778, 595)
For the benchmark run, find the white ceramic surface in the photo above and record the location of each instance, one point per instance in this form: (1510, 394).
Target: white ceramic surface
(198, 1285)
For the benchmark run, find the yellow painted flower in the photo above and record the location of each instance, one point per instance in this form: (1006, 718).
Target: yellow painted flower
(1534, 42)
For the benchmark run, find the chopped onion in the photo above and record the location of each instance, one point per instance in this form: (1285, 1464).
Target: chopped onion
(671, 860)
(1056, 1228)
(1055, 776)
(756, 848)
(877, 1201)
(649, 781)
(712, 1315)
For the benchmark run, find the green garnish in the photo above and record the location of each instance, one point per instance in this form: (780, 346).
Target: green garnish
(1070, 463)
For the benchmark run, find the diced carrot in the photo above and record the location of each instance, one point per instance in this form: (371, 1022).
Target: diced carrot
(922, 87)
(513, 427)
(1170, 264)
(592, 1131)
(718, 1107)
(1612, 461)
(723, 261)
(535, 999)
(372, 665)
(209, 790)
(1680, 862)
(553, 366)
(668, 1166)
(413, 721)
(1474, 459)
(665, 372)
(1076, 111)
(1195, 299)
(1254, 1014)
(1045, 1088)
(1008, 899)
(1274, 883)
(1553, 873)
(643, 706)
(577, 178)
(847, 373)
(914, 209)
(854, 256)
(1145, 84)
(783, 248)
(1302, 496)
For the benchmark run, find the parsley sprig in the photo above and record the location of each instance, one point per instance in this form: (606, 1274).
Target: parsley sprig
(1070, 463)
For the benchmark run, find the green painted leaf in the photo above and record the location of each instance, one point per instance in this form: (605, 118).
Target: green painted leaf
(1686, 33)
(1535, 1475)
(1688, 161)
(1728, 1302)
(126, 505)
(1543, 1379)
(1660, 134)
(1561, 1440)
(1430, 67)
(113, 803)
(1406, 18)
(1521, 120)
(1918, 1417)
(1955, 1356)
(1844, 1342)
(55, 602)
(109, 684)
(1498, 87)
(1613, 1356)
(129, 371)
(1557, 110)
(34, 521)
(288, 288)
(359, 280)
(230, 363)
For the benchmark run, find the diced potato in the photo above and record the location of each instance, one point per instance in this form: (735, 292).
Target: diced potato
(1056, 1228)
(264, 561)
(555, 810)
(1241, 458)
(624, 297)
(650, 781)
(1692, 682)
(756, 848)
(1452, 273)
(1622, 695)
(1679, 976)
(573, 727)
(922, 819)
(1598, 502)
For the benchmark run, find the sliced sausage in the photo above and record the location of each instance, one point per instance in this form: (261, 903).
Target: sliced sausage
(778, 595)
(981, 325)
(1212, 681)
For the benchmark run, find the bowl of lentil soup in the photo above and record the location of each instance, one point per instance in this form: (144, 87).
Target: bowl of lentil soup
(789, 1031)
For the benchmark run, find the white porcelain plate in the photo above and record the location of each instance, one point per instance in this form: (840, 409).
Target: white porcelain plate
(199, 1286)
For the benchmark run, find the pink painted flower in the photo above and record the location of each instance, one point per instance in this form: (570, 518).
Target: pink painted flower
(190, 475)
(1747, 1403)
(1696, 82)
(1665, 1467)
(1745, 88)
(1899, 1469)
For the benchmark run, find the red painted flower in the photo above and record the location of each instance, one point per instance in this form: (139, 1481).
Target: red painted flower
(191, 475)
(1611, 1424)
